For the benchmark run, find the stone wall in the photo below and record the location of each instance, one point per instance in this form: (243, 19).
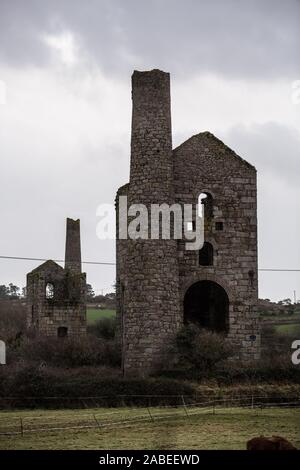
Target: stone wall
(64, 311)
(147, 270)
(44, 315)
(153, 276)
(205, 164)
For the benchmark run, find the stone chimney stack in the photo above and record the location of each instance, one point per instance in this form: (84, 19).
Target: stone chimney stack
(151, 137)
(73, 250)
(150, 296)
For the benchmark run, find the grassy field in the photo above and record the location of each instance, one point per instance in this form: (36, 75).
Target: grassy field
(227, 428)
(292, 329)
(93, 314)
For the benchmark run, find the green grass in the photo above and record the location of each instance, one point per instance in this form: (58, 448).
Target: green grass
(292, 329)
(228, 428)
(94, 314)
(278, 317)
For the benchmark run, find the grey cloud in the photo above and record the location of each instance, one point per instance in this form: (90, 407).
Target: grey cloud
(251, 39)
(272, 147)
(240, 39)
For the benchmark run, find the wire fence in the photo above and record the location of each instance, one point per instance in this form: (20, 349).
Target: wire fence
(127, 416)
(137, 400)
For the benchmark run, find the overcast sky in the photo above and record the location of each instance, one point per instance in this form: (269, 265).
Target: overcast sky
(65, 122)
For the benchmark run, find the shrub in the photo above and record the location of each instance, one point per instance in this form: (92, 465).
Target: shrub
(12, 321)
(275, 369)
(103, 328)
(67, 352)
(275, 342)
(33, 386)
(202, 349)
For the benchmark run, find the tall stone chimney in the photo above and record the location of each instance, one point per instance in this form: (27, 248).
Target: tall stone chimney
(151, 138)
(73, 250)
(150, 305)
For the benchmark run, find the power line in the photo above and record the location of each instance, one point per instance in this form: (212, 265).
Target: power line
(56, 260)
(113, 264)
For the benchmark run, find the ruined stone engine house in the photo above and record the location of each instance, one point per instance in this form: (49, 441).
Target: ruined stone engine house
(160, 284)
(56, 295)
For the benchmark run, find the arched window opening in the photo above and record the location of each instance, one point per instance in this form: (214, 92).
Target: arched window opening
(49, 291)
(62, 332)
(205, 206)
(206, 255)
(206, 303)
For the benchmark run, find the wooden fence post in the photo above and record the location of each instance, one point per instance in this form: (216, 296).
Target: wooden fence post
(98, 424)
(151, 417)
(184, 406)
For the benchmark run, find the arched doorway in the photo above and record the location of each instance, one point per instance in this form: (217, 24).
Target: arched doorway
(206, 303)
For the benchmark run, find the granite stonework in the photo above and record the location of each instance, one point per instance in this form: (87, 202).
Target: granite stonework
(60, 311)
(161, 284)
